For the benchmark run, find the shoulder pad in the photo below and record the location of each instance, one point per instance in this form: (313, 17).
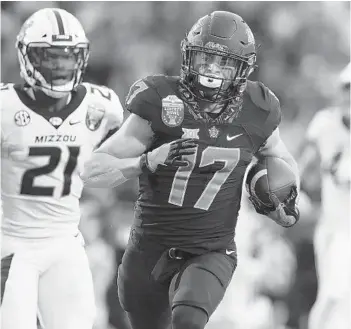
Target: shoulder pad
(111, 102)
(263, 98)
(6, 86)
(144, 97)
(99, 90)
(7, 94)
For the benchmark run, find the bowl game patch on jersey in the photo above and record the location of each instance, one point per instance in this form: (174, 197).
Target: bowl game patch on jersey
(95, 114)
(172, 111)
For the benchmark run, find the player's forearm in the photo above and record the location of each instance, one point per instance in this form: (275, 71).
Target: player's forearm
(105, 171)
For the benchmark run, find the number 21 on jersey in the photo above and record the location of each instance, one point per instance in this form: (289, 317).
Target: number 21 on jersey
(53, 153)
(228, 156)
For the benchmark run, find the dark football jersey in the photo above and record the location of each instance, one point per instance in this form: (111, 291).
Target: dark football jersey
(196, 207)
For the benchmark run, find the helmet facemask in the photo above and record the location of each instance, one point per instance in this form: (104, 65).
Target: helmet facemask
(214, 75)
(55, 70)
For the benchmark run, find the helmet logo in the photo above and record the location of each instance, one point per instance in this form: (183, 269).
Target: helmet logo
(59, 37)
(172, 111)
(216, 46)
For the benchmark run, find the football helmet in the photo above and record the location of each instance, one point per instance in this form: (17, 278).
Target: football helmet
(218, 55)
(53, 51)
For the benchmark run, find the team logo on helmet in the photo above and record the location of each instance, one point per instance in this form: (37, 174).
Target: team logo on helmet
(95, 114)
(22, 118)
(172, 111)
(216, 46)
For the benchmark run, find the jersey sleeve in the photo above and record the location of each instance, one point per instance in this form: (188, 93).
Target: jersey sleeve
(269, 114)
(6, 93)
(144, 101)
(267, 101)
(275, 115)
(105, 96)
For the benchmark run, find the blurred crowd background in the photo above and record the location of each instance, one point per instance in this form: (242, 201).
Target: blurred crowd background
(303, 46)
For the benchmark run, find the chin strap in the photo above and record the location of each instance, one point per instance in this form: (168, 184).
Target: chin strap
(230, 113)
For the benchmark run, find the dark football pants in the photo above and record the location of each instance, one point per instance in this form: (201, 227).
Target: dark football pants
(200, 283)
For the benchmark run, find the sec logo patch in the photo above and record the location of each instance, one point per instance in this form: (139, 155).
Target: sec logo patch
(22, 118)
(172, 111)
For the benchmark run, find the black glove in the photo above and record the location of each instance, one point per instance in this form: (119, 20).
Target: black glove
(170, 154)
(284, 213)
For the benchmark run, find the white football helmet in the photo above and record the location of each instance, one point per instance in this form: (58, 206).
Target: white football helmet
(53, 51)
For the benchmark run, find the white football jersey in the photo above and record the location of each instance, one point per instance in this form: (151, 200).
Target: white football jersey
(332, 138)
(42, 154)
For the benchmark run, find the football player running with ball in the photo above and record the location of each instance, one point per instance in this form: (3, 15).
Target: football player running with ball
(190, 140)
(49, 127)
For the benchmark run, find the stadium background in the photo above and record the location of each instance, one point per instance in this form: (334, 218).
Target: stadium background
(303, 47)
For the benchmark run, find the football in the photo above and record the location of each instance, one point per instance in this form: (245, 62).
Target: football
(270, 175)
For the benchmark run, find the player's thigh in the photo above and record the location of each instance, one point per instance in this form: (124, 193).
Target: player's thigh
(203, 281)
(66, 295)
(145, 300)
(19, 292)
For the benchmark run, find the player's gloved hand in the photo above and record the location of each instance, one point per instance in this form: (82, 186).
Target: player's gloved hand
(170, 154)
(284, 213)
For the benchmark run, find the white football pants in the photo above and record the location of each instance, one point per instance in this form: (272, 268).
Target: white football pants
(46, 278)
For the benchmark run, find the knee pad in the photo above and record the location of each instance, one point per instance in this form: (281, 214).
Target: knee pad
(188, 317)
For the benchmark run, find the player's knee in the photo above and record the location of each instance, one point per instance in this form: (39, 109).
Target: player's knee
(188, 317)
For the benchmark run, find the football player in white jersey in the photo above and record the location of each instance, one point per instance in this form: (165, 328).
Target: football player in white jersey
(328, 148)
(49, 126)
